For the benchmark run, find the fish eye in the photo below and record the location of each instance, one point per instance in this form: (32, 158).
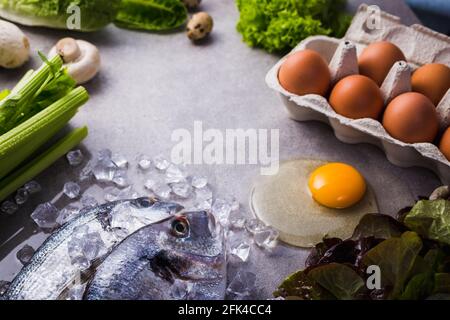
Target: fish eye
(180, 227)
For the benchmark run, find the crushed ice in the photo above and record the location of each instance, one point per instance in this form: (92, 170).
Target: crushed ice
(160, 178)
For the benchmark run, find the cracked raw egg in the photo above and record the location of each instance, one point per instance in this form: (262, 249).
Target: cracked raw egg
(309, 199)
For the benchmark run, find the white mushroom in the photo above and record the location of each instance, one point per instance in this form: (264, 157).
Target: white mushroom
(14, 46)
(199, 26)
(81, 58)
(191, 4)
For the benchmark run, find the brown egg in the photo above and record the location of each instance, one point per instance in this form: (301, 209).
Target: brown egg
(411, 118)
(357, 97)
(305, 72)
(432, 80)
(444, 145)
(377, 59)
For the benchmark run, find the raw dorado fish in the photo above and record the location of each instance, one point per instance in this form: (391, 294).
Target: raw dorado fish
(51, 271)
(180, 258)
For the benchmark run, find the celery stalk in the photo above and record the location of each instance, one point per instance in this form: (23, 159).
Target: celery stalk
(34, 92)
(21, 142)
(26, 173)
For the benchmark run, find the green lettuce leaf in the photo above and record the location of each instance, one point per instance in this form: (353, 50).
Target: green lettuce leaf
(95, 14)
(442, 283)
(279, 25)
(378, 226)
(152, 15)
(396, 258)
(300, 286)
(338, 279)
(430, 219)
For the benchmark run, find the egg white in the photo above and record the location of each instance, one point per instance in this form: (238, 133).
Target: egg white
(284, 202)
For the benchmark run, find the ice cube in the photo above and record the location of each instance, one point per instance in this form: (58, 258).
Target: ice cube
(242, 285)
(144, 162)
(203, 198)
(76, 292)
(25, 254)
(121, 216)
(71, 189)
(126, 193)
(86, 172)
(254, 225)
(199, 182)
(162, 190)
(266, 238)
(104, 156)
(180, 289)
(32, 187)
(181, 189)
(149, 184)
(9, 207)
(21, 196)
(175, 174)
(75, 157)
(161, 163)
(93, 246)
(121, 178)
(45, 215)
(81, 262)
(68, 213)
(4, 286)
(221, 210)
(241, 250)
(84, 247)
(111, 194)
(119, 160)
(237, 220)
(104, 172)
(88, 201)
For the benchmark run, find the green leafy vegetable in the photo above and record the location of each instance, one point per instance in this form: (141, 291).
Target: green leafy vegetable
(35, 92)
(379, 226)
(4, 94)
(152, 15)
(33, 112)
(279, 25)
(94, 14)
(430, 219)
(301, 286)
(340, 280)
(413, 257)
(396, 258)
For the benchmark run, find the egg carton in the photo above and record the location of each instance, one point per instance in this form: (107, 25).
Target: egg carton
(420, 46)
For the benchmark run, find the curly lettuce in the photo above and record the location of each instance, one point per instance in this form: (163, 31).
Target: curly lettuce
(94, 14)
(279, 25)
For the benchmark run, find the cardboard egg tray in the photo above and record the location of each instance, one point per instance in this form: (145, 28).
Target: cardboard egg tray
(420, 46)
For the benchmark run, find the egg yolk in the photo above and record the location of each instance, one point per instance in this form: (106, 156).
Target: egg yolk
(337, 185)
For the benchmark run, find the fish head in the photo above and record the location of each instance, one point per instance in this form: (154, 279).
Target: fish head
(193, 245)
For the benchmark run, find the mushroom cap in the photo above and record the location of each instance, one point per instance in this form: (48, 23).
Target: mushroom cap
(14, 46)
(86, 65)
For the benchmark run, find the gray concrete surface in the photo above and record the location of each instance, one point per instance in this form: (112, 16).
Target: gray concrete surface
(151, 84)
